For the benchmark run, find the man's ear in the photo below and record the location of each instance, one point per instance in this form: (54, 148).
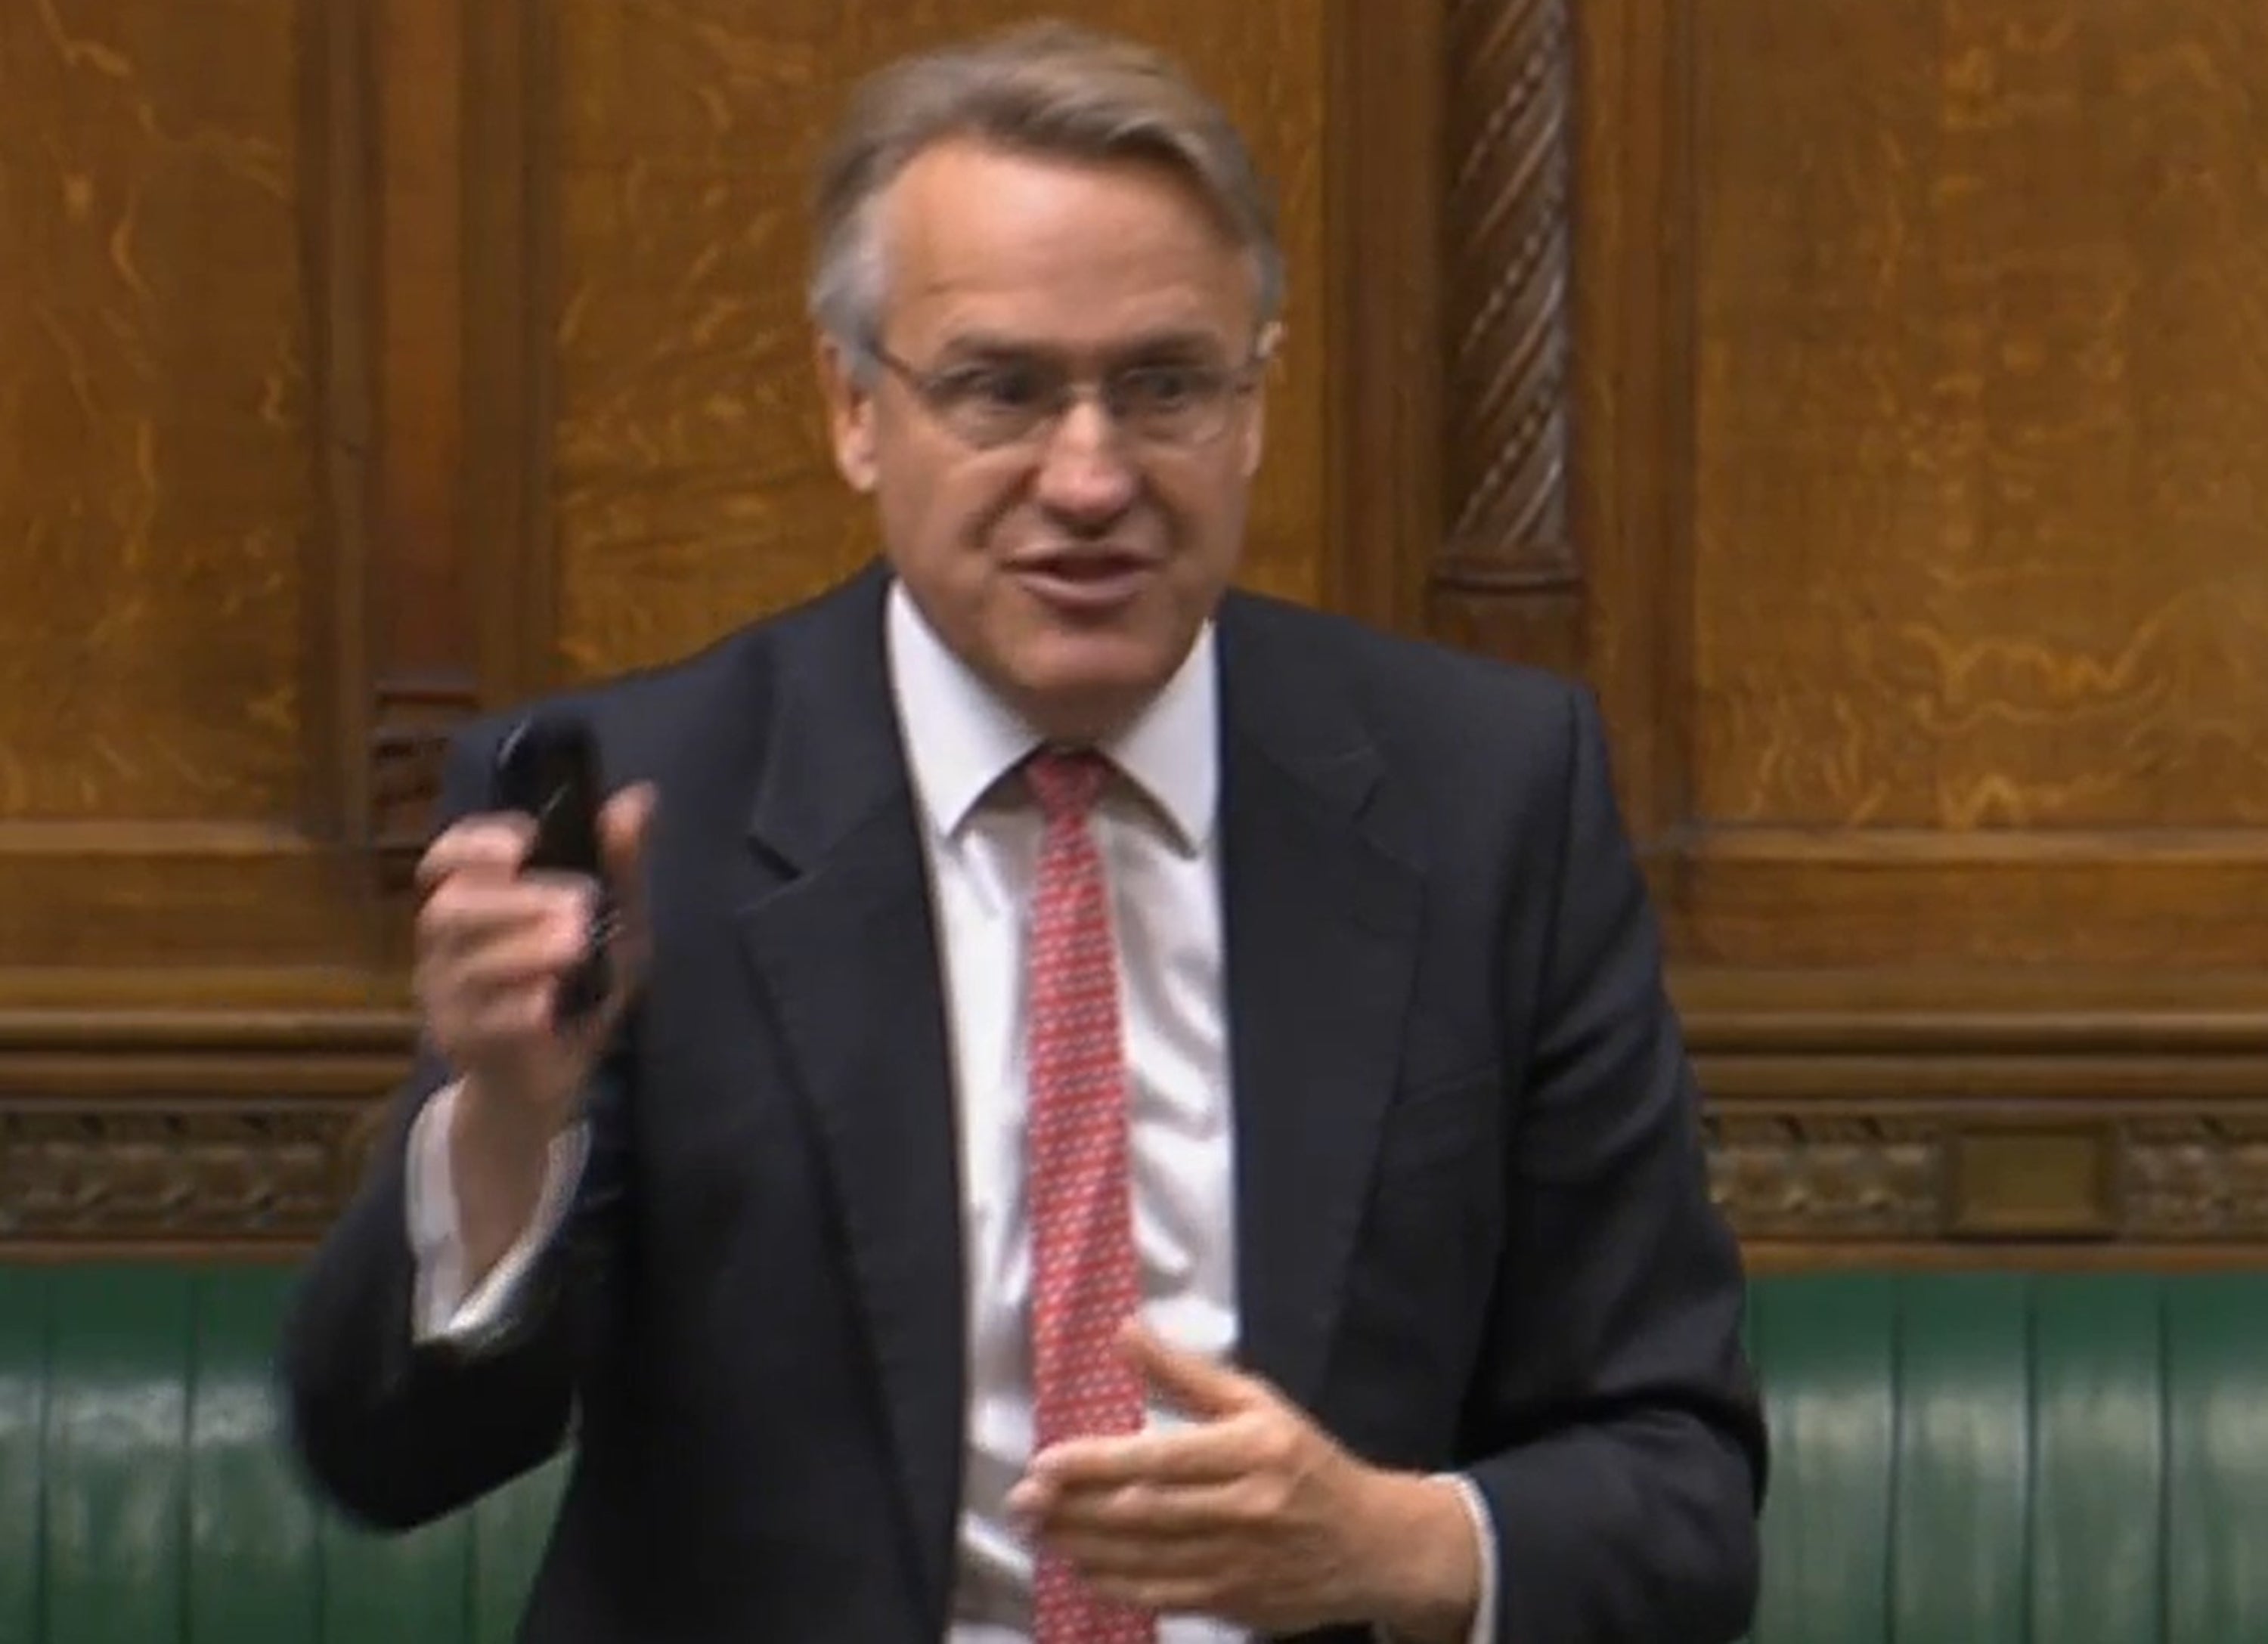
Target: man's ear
(1254, 434)
(849, 415)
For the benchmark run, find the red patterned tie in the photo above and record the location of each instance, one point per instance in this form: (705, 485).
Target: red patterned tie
(1078, 1183)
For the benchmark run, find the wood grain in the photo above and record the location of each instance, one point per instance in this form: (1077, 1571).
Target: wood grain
(156, 494)
(1506, 578)
(1982, 313)
(1868, 399)
(1632, 397)
(185, 415)
(692, 485)
(1925, 369)
(1385, 161)
(1921, 373)
(127, 1129)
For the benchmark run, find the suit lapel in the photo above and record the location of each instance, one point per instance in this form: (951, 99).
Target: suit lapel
(1321, 920)
(844, 950)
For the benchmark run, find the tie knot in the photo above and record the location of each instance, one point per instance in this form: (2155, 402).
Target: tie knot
(1067, 781)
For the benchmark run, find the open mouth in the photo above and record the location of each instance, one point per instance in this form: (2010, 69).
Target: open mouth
(1087, 582)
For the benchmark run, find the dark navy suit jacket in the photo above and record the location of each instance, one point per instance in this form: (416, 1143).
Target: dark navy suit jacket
(1472, 1222)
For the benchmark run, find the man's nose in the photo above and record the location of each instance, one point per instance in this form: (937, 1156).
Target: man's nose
(1085, 471)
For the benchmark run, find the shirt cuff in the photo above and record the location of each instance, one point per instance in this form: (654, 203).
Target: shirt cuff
(1477, 1508)
(441, 1311)
(1483, 1630)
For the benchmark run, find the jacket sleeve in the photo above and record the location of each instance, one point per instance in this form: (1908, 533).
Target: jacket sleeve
(398, 1427)
(1623, 1447)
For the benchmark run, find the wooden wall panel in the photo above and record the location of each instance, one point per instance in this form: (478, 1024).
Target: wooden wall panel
(1866, 398)
(199, 988)
(1983, 392)
(154, 391)
(181, 560)
(1981, 384)
(1925, 350)
(692, 485)
(403, 356)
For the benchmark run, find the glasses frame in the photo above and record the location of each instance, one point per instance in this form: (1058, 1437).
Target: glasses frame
(1237, 382)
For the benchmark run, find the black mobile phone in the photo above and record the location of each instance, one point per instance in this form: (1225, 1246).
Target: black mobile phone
(547, 767)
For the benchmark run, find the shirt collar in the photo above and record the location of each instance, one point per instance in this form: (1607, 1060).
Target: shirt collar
(961, 739)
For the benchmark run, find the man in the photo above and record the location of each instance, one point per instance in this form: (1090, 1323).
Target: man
(1132, 1111)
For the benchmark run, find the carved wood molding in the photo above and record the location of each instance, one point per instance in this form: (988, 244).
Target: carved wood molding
(195, 1171)
(2106, 1173)
(185, 1171)
(189, 1130)
(412, 722)
(2197, 1178)
(1785, 1176)
(1509, 285)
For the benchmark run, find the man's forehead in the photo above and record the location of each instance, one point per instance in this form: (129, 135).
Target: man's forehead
(970, 235)
(964, 204)
(954, 170)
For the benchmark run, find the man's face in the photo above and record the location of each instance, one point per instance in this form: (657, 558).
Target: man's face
(1071, 567)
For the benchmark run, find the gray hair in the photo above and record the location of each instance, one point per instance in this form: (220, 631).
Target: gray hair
(1047, 89)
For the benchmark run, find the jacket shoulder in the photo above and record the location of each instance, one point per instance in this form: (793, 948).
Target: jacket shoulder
(1408, 690)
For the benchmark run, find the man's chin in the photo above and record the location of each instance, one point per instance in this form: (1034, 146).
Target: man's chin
(1090, 685)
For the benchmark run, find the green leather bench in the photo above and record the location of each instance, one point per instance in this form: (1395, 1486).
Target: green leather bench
(1997, 1459)
(1976, 1459)
(145, 1499)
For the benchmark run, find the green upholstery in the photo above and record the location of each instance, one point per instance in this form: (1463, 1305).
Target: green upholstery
(144, 1497)
(2009, 1459)
(1971, 1459)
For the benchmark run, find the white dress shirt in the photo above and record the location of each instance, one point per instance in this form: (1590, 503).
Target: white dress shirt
(1155, 828)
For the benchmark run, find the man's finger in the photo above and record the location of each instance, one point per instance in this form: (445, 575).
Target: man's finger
(470, 914)
(1189, 1381)
(1164, 1596)
(1147, 1511)
(511, 960)
(1209, 1452)
(491, 844)
(1137, 1558)
(624, 822)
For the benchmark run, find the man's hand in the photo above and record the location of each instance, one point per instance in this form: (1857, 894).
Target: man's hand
(1251, 1514)
(492, 945)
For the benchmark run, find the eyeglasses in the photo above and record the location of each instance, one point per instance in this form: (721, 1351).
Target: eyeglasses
(993, 402)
